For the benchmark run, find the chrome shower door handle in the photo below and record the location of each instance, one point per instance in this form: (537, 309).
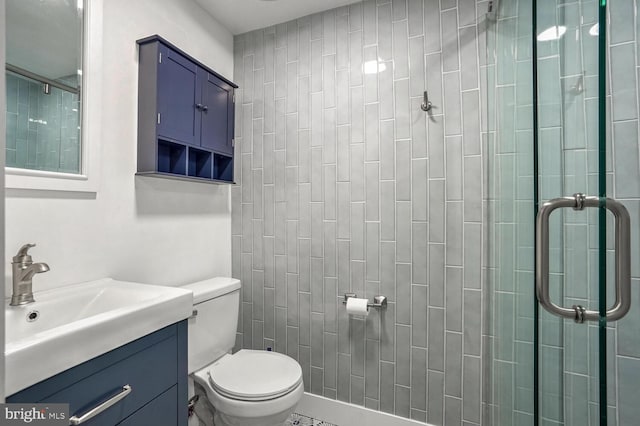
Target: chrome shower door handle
(622, 257)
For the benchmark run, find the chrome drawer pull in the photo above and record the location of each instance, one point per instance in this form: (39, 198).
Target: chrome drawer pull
(126, 390)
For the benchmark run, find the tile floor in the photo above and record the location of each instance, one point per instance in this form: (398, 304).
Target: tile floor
(300, 420)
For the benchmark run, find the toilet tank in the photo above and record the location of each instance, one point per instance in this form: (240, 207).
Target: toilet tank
(212, 331)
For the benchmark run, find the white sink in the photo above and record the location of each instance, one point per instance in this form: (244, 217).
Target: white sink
(78, 322)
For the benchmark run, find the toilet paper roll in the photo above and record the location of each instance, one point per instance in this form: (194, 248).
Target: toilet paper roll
(357, 306)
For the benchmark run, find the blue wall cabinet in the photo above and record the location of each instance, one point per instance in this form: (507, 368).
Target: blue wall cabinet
(155, 368)
(185, 116)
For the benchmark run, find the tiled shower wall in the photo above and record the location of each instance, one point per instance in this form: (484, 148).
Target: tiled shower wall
(42, 129)
(346, 185)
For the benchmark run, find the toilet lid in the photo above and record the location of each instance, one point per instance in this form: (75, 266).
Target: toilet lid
(255, 375)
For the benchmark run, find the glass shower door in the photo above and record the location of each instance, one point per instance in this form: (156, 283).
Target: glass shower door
(554, 142)
(567, 149)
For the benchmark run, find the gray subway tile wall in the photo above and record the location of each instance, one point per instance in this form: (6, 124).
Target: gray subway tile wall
(345, 185)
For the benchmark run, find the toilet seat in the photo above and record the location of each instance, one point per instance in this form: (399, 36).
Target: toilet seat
(251, 375)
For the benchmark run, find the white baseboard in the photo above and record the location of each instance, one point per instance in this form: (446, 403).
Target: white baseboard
(342, 414)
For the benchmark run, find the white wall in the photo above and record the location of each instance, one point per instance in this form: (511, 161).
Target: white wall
(139, 229)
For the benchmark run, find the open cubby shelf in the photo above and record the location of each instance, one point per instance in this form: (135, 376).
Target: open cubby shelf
(172, 158)
(200, 163)
(223, 167)
(188, 162)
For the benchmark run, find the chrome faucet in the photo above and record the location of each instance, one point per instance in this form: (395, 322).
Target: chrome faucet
(23, 271)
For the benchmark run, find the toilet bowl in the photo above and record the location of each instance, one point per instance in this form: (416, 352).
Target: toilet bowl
(250, 387)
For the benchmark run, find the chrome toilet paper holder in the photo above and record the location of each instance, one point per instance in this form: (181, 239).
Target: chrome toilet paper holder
(378, 301)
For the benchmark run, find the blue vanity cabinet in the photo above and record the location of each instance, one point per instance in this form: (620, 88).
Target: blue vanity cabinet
(185, 116)
(154, 366)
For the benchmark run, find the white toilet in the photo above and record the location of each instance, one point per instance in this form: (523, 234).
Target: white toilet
(247, 388)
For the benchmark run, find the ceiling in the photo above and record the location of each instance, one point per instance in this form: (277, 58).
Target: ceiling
(241, 16)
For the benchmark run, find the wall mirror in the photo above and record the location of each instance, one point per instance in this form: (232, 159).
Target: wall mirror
(44, 82)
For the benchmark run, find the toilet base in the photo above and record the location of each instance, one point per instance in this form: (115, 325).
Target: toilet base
(203, 410)
(278, 419)
(229, 412)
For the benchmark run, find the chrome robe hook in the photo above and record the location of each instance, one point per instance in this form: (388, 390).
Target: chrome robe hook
(426, 103)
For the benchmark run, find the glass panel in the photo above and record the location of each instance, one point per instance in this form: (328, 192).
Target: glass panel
(567, 64)
(567, 134)
(623, 184)
(44, 72)
(511, 211)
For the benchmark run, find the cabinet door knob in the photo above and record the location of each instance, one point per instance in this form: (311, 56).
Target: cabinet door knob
(199, 106)
(205, 108)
